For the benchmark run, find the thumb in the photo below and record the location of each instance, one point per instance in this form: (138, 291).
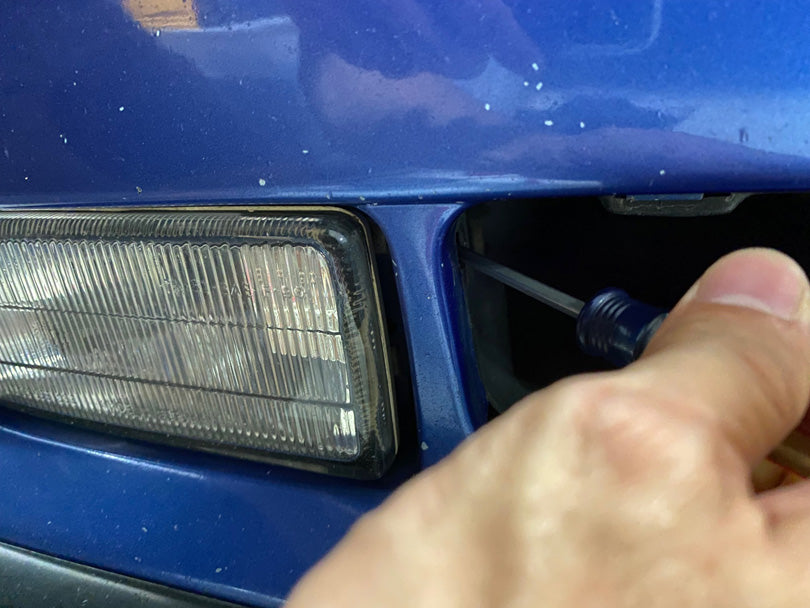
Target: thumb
(735, 351)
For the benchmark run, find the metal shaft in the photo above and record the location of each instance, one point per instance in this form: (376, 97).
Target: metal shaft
(534, 289)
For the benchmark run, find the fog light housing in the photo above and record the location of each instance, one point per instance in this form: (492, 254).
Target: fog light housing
(254, 334)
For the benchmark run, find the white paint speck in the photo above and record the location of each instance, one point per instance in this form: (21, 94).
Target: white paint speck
(26, 178)
(120, 108)
(143, 529)
(175, 527)
(74, 83)
(64, 139)
(487, 107)
(548, 123)
(424, 446)
(262, 182)
(662, 172)
(137, 559)
(538, 86)
(304, 151)
(581, 125)
(50, 522)
(157, 33)
(218, 570)
(525, 83)
(535, 67)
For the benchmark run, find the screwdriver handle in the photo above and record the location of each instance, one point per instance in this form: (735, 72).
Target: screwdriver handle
(616, 327)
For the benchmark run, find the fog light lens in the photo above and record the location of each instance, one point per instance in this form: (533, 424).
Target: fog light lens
(256, 334)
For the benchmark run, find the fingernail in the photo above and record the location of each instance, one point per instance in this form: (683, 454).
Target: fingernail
(759, 279)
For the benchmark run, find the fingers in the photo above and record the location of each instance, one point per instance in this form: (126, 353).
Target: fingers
(786, 509)
(735, 352)
(786, 503)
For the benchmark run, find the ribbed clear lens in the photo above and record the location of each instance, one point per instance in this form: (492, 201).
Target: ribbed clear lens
(256, 334)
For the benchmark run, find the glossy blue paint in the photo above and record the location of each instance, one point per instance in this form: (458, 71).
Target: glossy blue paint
(401, 109)
(352, 98)
(230, 529)
(450, 402)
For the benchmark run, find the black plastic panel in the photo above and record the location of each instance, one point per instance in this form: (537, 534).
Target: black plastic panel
(33, 580)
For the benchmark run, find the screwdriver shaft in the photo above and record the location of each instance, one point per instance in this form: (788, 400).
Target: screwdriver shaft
(534, 289)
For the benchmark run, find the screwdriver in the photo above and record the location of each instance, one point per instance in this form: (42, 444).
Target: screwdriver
(616, 327)
(611, 325)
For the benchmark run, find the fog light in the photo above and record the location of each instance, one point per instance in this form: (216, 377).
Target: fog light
(254, 334)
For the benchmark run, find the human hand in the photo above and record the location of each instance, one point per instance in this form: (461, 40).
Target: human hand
(622, 489)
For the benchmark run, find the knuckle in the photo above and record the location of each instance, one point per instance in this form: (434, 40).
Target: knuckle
(633, 431)
(584, 394)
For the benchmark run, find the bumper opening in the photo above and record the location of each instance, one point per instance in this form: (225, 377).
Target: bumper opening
(577, 246)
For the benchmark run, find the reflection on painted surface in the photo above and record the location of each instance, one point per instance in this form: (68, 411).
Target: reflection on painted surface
(221, 98)
(163, 14)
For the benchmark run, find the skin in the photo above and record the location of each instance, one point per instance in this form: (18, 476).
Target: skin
(623, 489)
